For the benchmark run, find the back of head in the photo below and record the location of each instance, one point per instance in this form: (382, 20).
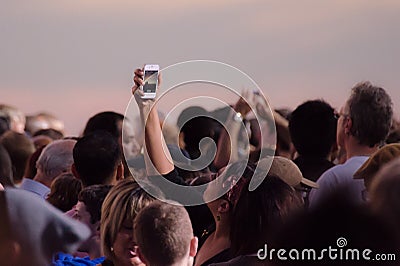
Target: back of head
(19, 147)
(96, 157)
(15, 117)
(93, 197)
(56, 158)
(370, 103)
(163, 232)
(49, 132)
(5, 168)
(195, 122)
(107, 121)
(43, 121)
(312, 127)
(384, 193)
(258, 213)
(64, 192)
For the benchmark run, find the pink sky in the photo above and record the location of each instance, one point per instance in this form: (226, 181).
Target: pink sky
(75, 58)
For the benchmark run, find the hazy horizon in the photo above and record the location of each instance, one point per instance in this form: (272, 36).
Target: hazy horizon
(76, 58)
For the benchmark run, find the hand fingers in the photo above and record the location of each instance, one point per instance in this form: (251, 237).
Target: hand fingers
(138, 78)
(138, 72)
(136, 90)
(138, 81)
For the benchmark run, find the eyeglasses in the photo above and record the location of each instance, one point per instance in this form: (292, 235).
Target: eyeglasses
(338, 115)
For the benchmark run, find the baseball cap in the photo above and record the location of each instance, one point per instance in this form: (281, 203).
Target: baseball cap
(286, 170)
(381, 157)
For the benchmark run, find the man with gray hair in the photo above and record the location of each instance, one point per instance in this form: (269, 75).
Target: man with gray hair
(55, 159)
(363, 125)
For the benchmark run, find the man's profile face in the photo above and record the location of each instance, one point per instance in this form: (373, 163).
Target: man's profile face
(340, 132)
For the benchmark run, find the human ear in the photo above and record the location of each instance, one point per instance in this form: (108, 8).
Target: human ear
(194, 244)
(223, 206)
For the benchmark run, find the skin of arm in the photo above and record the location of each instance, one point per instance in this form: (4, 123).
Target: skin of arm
(156, 154)
(227, 148)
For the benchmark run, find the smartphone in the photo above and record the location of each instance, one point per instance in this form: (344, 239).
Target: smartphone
(150, 81)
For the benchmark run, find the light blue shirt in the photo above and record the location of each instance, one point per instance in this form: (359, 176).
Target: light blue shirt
(337, 177)
(35, 187)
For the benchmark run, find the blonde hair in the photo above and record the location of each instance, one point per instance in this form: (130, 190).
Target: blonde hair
(123, 202)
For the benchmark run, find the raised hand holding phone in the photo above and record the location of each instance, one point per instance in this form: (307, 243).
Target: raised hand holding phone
(150, 81)
(156, 162)
(145, 99)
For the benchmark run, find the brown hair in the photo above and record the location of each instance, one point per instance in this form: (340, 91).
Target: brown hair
(258, 212)
(20, 148)
(64, 192)
(163, 232)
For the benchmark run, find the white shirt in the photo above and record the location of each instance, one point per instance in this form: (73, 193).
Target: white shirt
(35, 187)
(337, 177)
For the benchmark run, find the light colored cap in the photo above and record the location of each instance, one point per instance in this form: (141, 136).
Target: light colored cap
(286, 170)
(381, 157)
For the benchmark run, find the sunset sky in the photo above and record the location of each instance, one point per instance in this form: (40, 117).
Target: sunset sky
(75, 58)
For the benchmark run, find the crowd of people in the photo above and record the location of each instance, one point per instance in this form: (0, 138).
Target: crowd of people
(290, 182)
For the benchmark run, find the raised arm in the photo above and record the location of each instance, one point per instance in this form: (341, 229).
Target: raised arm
(228, 142)
(156, 154)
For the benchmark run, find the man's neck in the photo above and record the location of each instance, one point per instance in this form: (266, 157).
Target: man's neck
(355, 149)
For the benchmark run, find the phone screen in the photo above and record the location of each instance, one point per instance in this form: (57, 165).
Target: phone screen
(150, 81)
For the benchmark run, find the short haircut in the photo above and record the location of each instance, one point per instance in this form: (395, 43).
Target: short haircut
(56, 158)
(107, 121)
(163, 233)
(123, 203)
(93, 197)
(64, 191)
(96, 157)
(196, 123)
(20, 148)
(370, 109)
(312, 127)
